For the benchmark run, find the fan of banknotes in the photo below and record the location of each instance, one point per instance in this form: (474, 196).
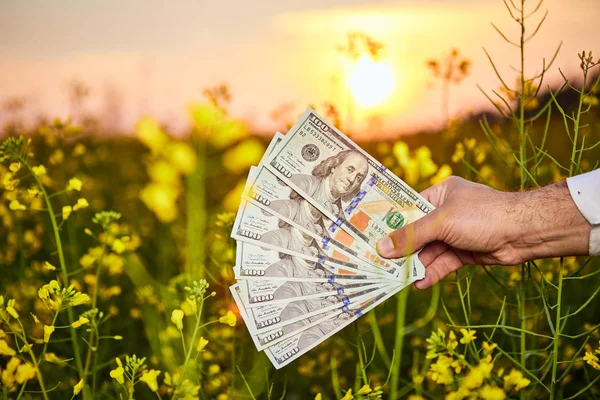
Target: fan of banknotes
(306, 230)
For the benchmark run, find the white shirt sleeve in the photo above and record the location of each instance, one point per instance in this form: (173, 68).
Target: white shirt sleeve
(585, 191)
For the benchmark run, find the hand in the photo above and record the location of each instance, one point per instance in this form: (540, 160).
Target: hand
(475, 224)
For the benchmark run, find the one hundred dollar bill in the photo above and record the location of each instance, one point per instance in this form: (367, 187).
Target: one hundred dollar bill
(286, 351)
(301, 319)
(346, 184)
(268, 317)
(262, 292)
(258, 227)
(275, 197)
(256, 262)
(267, 191)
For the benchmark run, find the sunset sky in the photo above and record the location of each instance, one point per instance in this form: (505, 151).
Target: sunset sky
(159, 55)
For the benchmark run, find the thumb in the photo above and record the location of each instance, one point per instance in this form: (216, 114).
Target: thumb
(412, 237)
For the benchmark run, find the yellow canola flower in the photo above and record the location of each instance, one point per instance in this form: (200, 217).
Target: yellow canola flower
(164, 173)
(348, 395)
(74, 184)
(468, 336)
(14, 167)
(10, 184)
(177, 318)
(149, 378)
(318, 397)
(470, 143)
(242, 156)
(49, 266)
(78, 387)
(515, 381)
(452, 343)
(459, 153)
(81, 203)
(24, 373)
(426, 165)
(16, 206)
(79, 299)
(52, 357)
(477, 375)
(201, 344)
(442, 173)
(162, 200)
(117, 374)
(48, 330)
(231, 201)
(229, 319)
(5, 350)
(38, 171)
(441, 372)
(488, 348)
(457, 365)
(33, 192)
(26, 348)
(182, 157)
(81, 321)
(79, 150)
(366, 389)
(66, 212)
(118, 246)
(149, 133)
(590, 357)
(10, 308)
(491, 393)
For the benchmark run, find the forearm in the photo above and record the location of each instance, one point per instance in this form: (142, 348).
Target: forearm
(547, 223)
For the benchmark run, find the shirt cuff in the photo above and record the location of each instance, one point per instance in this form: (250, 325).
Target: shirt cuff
(585, 191)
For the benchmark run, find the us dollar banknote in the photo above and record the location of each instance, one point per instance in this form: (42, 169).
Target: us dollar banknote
(273, 196)
(346, 184)
(269, 291)
(270, 193)
(297, 318)
(295, 346)
(268, 317)
(259, 227)
(256, 262)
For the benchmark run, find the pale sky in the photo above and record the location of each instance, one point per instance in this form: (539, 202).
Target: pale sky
(159, 55)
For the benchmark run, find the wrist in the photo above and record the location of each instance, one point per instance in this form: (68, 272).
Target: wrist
(547, 223)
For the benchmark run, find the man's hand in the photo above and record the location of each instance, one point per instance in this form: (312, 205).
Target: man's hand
(475, 224)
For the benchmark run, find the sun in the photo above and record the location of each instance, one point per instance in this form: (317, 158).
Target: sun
(371, 82)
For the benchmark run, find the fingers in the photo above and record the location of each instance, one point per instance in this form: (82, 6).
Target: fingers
(442, 266)
(413, 236)
(431, 251)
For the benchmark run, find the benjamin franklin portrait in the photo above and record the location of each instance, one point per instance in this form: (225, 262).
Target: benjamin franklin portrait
(334, 180)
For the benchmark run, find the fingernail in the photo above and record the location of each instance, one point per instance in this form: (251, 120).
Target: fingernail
(385, 245)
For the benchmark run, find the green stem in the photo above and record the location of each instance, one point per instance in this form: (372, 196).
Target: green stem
(398, 344)
(361, 361)
(196, 212)
(38, 373)
(189, 352)
(557, 338)
(521, 122)
(63, 266)
(576, 126)
(523, 343)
